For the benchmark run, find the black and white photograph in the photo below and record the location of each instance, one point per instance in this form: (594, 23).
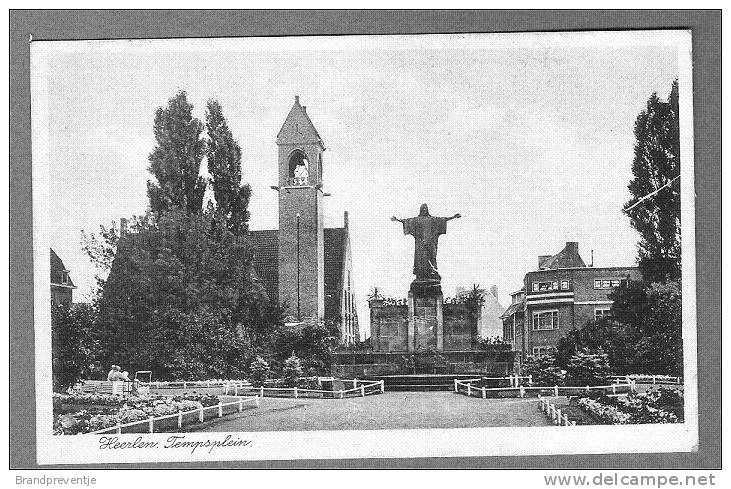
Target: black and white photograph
(364, 246)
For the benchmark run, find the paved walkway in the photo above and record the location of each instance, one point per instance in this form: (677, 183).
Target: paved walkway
(391, 410)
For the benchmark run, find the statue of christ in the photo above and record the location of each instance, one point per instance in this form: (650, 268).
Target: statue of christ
(426, 230)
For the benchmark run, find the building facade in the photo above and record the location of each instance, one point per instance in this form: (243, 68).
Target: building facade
(303, 264)
(62, 287)
(562, 294)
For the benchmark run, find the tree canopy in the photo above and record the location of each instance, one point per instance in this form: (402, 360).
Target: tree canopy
(656, 165)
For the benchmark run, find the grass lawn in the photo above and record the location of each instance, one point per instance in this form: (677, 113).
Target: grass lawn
(391, 410)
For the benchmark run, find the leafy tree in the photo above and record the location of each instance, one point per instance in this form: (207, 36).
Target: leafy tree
(313, 342)
(175, 162)
(656, 164)
(73, 344)
(619, 341)
(259, 371)
(292, 371)
(655, 312)
(544, 370)
(224, 165)
(588, 367)
(177, 298)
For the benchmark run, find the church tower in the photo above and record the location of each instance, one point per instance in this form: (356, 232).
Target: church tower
(301, 248)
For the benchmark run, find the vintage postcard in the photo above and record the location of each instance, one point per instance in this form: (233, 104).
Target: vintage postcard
(351, 247)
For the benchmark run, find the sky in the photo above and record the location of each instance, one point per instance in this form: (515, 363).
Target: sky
(528, 138)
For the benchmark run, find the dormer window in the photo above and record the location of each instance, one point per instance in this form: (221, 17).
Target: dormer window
(64, 277)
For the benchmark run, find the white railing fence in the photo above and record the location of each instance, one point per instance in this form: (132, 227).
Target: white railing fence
(649, 379)
(360, 389)
(550, 410)
(466, 387)
(184, 417)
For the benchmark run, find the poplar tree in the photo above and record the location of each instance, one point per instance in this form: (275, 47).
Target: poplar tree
(224, 166)
(175, 162)
(656, 163)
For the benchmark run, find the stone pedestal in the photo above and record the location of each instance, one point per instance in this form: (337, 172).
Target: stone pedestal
(426, 318)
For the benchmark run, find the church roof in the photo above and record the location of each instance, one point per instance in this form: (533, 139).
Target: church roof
(566, 258)
(266, 263)
(298, 127)
(57, 267)
(266, 259)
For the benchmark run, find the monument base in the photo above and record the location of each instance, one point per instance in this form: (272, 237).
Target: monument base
(426, 319)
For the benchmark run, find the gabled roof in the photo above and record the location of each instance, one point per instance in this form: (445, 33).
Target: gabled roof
(57, 267)
(298, 127)
(266, 260)
(335, 243)
(566, 258)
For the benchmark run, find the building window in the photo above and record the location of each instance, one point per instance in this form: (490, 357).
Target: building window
(602, 313)
(64, 277)
(545, 286)
(539, 351)
(564, 285)
(608, 283)
(545, 320)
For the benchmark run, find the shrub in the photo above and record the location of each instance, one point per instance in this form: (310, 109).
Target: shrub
(544, 370)
(292, 371)
(260, 371)
(588, 367)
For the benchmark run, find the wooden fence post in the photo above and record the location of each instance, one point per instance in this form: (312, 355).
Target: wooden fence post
(180, 419)
(261, 390)
(362, 391)
(455, 386)
(119, 428)
(183, 385)
(151, 423)
(558, 416)
(614, 388)
(236, 389)
(294, 390)
(588, 388)
(220, 409)
(341, 394)
(383, 386)
(522, 391)
(469, 390)
(200, 415)
(530, 380)
(355, 384)
(241, 404)
(484, 393)
(654, 379)
(555, 390)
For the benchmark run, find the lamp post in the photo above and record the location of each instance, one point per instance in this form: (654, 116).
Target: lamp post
(298, 267)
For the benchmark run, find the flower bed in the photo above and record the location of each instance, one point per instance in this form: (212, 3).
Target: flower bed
(654, 406)
(104, 411)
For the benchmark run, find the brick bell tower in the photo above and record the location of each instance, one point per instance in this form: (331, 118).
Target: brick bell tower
(301, 250)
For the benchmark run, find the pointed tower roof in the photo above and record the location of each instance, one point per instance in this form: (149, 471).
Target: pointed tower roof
(298, 128)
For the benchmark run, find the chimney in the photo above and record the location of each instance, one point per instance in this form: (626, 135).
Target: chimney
(572, 246)
(122, 226)
(592, 258)
(304, 109)
(296, 100)
(542, 259)
(345, 219)
(493, 291)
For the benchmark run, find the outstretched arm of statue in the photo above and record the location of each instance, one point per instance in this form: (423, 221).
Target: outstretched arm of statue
(394, 218)
(456, 216)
